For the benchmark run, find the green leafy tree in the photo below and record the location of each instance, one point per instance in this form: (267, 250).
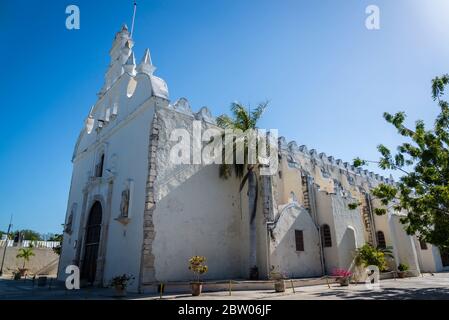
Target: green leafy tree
(423, 159)
(25, 254)
(244, 120)
(57, 238)
(27, 234)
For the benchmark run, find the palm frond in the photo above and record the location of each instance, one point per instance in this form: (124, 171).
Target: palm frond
(258, 112)
(225, 122)
(242, 118)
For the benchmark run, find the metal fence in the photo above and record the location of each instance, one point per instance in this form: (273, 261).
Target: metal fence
(29, 243)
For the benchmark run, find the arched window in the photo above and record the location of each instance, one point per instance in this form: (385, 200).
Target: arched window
(381, 243)
(326, 236)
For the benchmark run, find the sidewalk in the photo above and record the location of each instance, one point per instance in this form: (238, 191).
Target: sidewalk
(428, 287)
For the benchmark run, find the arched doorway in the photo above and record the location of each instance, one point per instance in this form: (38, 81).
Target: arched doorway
(92, 242)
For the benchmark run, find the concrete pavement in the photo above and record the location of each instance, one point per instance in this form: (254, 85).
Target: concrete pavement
(427, 287)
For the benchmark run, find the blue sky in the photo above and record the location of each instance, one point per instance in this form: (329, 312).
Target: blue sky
(328, 78)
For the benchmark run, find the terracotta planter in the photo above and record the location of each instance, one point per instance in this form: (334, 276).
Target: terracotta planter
(402, 274)
(22, 272)
(279, 286)
(344, 282)
(119, 291)
(197, 287)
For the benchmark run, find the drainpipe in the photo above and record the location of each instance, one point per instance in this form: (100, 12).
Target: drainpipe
(313, 211)
(270, 215)
(373, 225)
(268, 249)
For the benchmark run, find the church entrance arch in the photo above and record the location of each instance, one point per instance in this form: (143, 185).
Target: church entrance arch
(92, 243)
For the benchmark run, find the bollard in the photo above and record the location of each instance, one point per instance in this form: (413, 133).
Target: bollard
(293, 287)
(161, 290)
(230, 287)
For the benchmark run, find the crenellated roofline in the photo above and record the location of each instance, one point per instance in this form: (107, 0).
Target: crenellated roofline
(292, 149)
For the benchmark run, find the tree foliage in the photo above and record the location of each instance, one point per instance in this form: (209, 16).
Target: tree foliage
(27, 234)
(25, 254)
(244, 120)
(423, 159)
(59, 238)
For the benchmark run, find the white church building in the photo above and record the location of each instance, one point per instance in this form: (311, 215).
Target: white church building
(131, 210)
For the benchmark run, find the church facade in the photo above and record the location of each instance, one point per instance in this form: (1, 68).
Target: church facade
(132, 210)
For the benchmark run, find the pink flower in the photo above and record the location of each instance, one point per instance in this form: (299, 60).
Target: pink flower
(341, 273)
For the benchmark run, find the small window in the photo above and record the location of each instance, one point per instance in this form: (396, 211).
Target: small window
(299, 239)
(99, 167)
(326, 236)
(381, 243)
(423, 245)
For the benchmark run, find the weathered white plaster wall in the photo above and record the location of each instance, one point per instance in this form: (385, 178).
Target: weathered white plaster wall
(197, 218)
(429, 259)
(406, 249)
(197, 212)
(124, 240)
(284, 257)
(325, 216)
(346, 220)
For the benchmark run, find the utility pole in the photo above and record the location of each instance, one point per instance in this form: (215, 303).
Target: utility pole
(134, 18)
(6, 245)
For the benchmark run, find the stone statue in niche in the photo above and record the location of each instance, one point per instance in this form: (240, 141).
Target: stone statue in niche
(124, 205)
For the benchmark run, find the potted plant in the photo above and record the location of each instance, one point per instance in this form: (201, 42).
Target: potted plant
(278, 277)
(16, 275)
(402, 270)
(343, 276)
(120, 283)
(25, 254)
(366, 256)
(197, 266)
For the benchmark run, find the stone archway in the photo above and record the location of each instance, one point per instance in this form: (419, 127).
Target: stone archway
(92, 243)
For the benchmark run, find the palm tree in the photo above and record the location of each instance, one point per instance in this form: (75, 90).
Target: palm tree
(243, 119)
(25, 254)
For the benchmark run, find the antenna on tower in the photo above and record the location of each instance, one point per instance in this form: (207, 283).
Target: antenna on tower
(134, 18)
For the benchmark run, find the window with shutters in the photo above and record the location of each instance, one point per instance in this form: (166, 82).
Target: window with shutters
(299, 240)
(381, 243)
(326, 236)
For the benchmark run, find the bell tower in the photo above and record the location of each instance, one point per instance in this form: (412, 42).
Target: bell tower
(121, 55)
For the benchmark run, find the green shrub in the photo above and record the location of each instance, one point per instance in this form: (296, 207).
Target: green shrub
(402, 267)
(367, 255)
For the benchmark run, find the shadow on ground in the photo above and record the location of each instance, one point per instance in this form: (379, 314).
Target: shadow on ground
(389, 293)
